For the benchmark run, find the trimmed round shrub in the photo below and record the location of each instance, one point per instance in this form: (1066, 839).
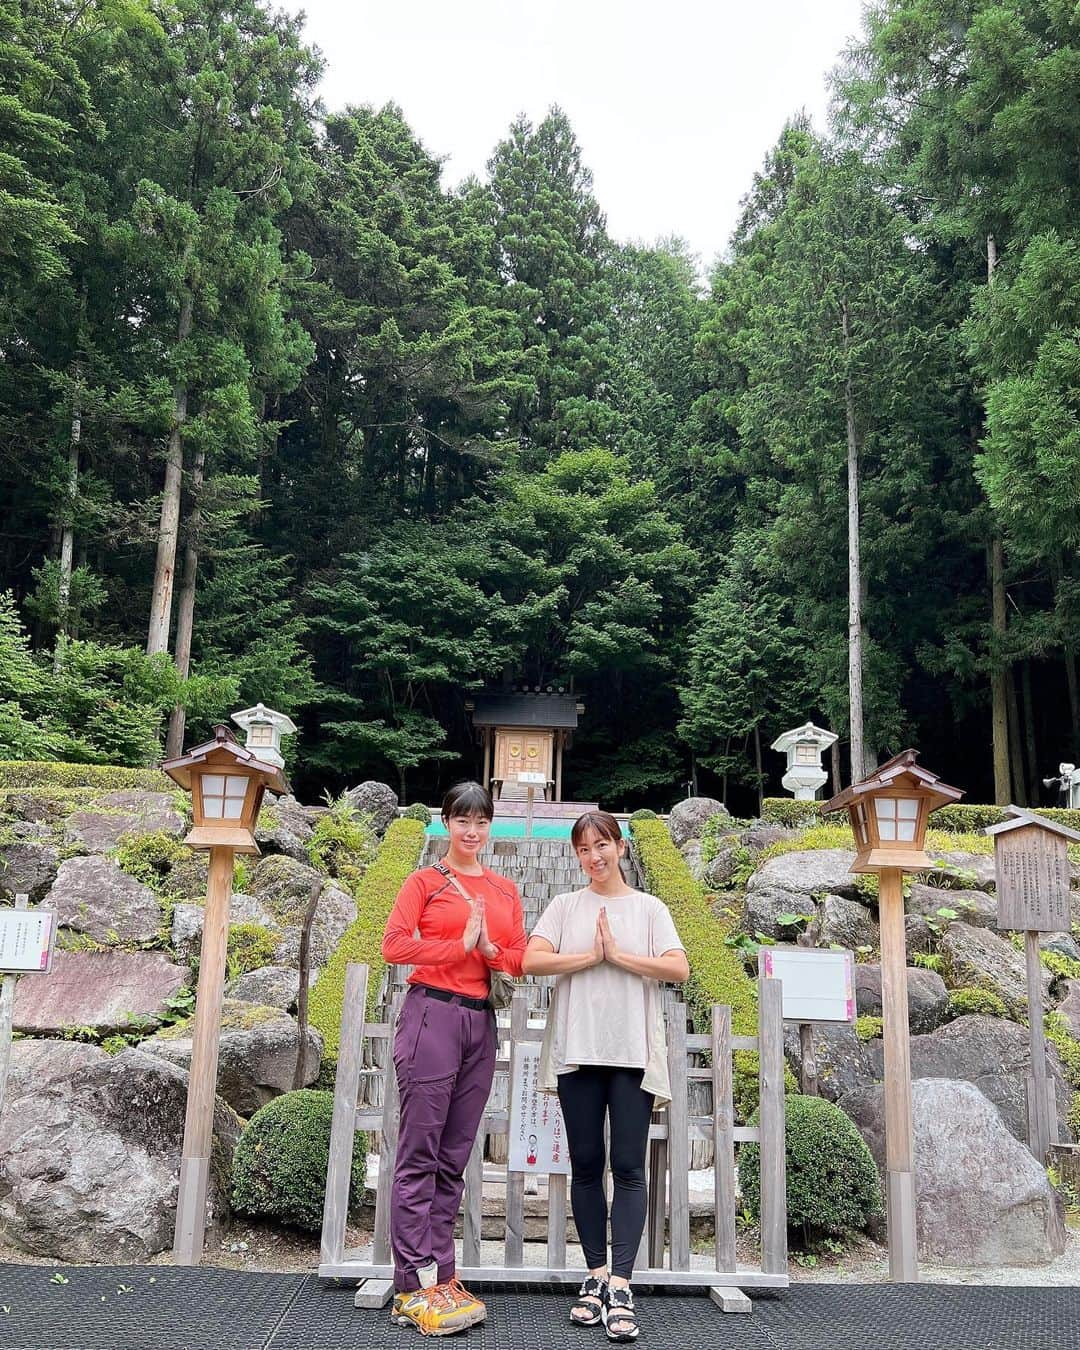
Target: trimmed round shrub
(279, 1167)
(418, 811)
(643, 814)
(832, 1180)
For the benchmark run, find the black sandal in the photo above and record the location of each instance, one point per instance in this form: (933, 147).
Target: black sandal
(619, 1316)
(590, 1303)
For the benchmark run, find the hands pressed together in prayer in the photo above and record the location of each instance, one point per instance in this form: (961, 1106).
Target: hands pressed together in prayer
(476, 933)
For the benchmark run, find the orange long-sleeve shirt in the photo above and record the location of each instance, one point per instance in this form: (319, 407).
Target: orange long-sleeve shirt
(425, 927)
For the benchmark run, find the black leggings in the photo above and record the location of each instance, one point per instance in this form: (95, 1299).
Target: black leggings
(587, 1095)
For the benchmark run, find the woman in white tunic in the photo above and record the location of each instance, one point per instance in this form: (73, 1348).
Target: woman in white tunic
(604, 1052)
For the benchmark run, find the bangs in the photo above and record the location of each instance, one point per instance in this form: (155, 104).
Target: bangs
(603, 822)
(468, 799)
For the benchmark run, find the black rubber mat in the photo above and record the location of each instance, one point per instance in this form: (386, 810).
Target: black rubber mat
(140, 1308)
(163, 1308)
(923, 1316)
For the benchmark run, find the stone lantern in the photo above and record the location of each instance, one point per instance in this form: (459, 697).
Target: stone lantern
(804, 747)
(263, 729)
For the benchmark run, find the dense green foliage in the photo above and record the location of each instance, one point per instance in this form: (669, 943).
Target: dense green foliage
(832, 1181)
(279, 1167)
(284, 418)
(361, 942)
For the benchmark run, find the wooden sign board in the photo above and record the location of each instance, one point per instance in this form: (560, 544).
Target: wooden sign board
(26, 940)
(537, 1135)
(818, 985)
(1032, 881)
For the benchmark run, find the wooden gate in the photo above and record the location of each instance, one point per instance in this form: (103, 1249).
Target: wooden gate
(667, 1229)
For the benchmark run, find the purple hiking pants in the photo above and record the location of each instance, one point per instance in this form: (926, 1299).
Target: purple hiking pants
(444, 1058)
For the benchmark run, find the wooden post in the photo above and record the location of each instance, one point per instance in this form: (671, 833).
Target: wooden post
(678, 1139)
(7, 1015)
(899, 1140)
(808, 1079)
(773, 1126)
(202, 1077)
(343, 1121)
(515, 1181)
(723, 1139)
(1042, 1126)
(559, 739)
(530, 793)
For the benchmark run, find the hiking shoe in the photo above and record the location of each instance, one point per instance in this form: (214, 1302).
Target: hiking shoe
(434, 1312)
(467, 1302)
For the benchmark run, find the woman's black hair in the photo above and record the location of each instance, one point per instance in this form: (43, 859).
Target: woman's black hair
(468, 799)
(603, 822)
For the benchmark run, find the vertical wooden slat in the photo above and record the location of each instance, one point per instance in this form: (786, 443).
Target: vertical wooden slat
(556, 1243)
(515, 1181)
(343, 1121)
(391, 1116)
(654, 1220)
(773, 1157)
(723, 1138)
(474, 1203)
(678, 1139)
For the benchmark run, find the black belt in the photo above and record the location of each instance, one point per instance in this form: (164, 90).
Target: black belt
(447, 996)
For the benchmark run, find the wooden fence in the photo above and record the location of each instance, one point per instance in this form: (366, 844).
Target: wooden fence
(667, 1230)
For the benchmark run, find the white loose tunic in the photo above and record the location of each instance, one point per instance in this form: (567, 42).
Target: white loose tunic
(604, 1015)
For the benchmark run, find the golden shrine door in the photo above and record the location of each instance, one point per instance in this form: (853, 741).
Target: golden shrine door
(519, 751)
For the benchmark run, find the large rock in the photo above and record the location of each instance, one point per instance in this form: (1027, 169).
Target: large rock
(93, 896)
(283, 886)
(1069, 1008)
(760, 834)
(976, 956)
(119, 813)
(977, 908)
(91, 1148)
(962, 869)
(256, 1057)
(811, 871)
(28, 865)
(841, 922)
(768, 911)
(377, 801)
(691, 852)
(843, 1061)
(272, 986)
(687, 818)
(187, 923)
(106, 991)
(928, 998)
(989, 1052)
(284, 826)
(981, 1198)
(719, 870)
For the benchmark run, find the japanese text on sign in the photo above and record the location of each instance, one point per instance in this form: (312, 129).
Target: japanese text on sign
(26, 937)
(1032, 881)
(537, 1136)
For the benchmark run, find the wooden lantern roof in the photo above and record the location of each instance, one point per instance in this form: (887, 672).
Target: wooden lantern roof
(224, 752)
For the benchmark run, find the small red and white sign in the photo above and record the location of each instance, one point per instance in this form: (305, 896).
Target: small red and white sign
(537, 1134)
(26, 941)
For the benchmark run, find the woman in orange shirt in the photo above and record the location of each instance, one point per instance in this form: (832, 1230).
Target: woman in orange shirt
(454, 923)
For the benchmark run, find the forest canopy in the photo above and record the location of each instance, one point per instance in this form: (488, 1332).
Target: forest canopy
(285, 417)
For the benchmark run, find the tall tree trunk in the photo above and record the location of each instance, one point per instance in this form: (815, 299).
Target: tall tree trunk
(834, 766)
(1029, 734)
(67, 532)
(855, 627)
(1016, 754)
(999, 696)
(157, 638)
(185, 612)
(757, 765)
(998, 684)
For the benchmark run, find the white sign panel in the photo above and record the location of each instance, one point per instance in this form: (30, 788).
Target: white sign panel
(819, 985)
(533, 779)
(26, 939)
(537, 1135)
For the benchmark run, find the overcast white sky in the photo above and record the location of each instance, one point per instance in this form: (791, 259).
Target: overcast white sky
(674, 102)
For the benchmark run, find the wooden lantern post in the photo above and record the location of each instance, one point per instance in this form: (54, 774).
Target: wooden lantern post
(889, 811)
(226, 782)
(1032, 869)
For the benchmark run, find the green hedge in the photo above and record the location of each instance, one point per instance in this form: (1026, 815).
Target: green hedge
(398, 855)
(417, 811)
(279, 1167)
(959, 818)
(29, 773)
(832, 1180)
